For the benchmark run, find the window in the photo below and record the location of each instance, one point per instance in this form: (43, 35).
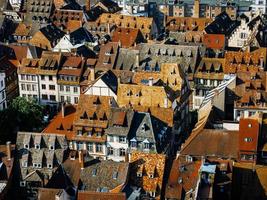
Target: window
(28, 87)
(99, 148)
(146, 145)
(23, 87)
(2, 83)
(35, 96)
(75, 89)
(28, 77)
(22, 77)
(80, 132)
(42, 77)
(111, 138)
(52, 87)
(122, 152)
(44, 96)
(50, 78)
(53, 97)
(122, 139)
(61, 88)
(76, 100)
(248, 139)
(62, 98)
(33, 77)
(133, 144)
(34, 88)
(22, 183)
(43, 87)
(67, 88)
(243, 35)
(68, 99)
(110, 151)
(90, 147)
(49, 166)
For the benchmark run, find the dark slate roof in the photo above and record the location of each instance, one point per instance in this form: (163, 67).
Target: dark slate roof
(153, 55)
(116, 115)
(94, 13)
(43, 155)
(71, 6)
(262, 36)
(52, 33)
(80, 36)
(111, 5)
(86, 52)
(103, 175)
(111, 80)
(222, 25)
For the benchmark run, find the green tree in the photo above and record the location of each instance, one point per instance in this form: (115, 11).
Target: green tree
(21, 115)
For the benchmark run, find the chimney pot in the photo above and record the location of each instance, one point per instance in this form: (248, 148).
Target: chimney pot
(150, 82)
(8, 150)
(81, 159)
(92, 74)
(63, 109)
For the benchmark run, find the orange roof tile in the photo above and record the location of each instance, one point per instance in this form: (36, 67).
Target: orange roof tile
(63, 125)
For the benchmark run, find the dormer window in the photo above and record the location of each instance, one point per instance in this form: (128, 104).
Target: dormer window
(26, 146)
(49, 166)
(139, 174)
(37, 146)
(51, 147)
(80, 132)
(189, 159)
(25, 164)
(122, 139)
(151, 175)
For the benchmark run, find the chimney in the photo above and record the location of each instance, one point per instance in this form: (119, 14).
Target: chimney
(92, 73)
(261, 62)
(166, 102)
(196, 9)
(81, 159)
(119, 80)
(46, 179)
(150, 81)
(137, 59)
(124, 5)
(108, 28)
(8, 150)
(88, 5)
(63, 109)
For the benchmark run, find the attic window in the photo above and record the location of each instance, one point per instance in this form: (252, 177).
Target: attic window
(115, 175)
(189, 159)
(37, 146)
(139, 174)
(151, 175)
(248, 139)
(49, 166)
(26, 146)
(94, 172)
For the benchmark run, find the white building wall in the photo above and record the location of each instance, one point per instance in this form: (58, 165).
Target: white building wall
(29, 86)
(3, 103)
(69, 93)
(48, 88)
(101, 89)
(116, 145)
(241, 35)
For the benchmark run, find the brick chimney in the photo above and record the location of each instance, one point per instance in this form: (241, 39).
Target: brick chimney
(81, 159)
(137, 59)
(88, 5)
(92, 73)
(63, 109)
(8, 150)
(196, 9)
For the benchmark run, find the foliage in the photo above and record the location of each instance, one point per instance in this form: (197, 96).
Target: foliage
(21, 115)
